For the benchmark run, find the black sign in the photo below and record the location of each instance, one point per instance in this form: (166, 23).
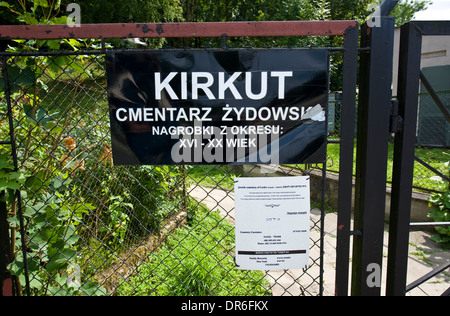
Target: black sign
(218, 107)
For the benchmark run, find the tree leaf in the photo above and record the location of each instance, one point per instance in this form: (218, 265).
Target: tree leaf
(59, 260)
(42, 3)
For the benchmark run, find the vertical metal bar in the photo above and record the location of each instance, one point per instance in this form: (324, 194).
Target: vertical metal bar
(16, 167)
(322, 228)
(405, 141)
(5, 251)
(372, 154)
(348, 113)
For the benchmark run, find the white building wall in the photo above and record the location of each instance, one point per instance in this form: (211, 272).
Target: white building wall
(435, 52)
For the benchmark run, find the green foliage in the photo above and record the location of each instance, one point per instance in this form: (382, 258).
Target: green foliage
(196, 261)
(250, 10)
(159, 189)
(361, 9)
(423, 177)
(51, 230)
(441, 213)
(10, 180)
(76, 214)
(349, 9)
(52, 216)
(406, 10)
(218, 177)
(35, 12)
(441, 209)
(131, 11)
(52, 243)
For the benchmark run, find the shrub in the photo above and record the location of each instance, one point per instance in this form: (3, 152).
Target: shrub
(441, 213)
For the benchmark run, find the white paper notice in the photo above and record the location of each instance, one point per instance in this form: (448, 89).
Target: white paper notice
(272, 223)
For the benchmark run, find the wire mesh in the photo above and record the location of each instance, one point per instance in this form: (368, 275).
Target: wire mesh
(93, 228)
(433, 132)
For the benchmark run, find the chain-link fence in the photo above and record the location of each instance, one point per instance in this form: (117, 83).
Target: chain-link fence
(431, 168)
(83, 226)
(432, 127)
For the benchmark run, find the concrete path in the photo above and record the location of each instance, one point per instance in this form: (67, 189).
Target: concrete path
(424, 256)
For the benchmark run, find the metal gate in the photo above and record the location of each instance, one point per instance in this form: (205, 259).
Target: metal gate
(410, 75)
(79, 225)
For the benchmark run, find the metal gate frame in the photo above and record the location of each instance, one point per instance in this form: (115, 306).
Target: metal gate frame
(372, 152)
(347, 29)
(410, 75)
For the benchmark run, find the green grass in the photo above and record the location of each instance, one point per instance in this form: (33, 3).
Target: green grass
(196, 261)
(219, 177)
(436, 157)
